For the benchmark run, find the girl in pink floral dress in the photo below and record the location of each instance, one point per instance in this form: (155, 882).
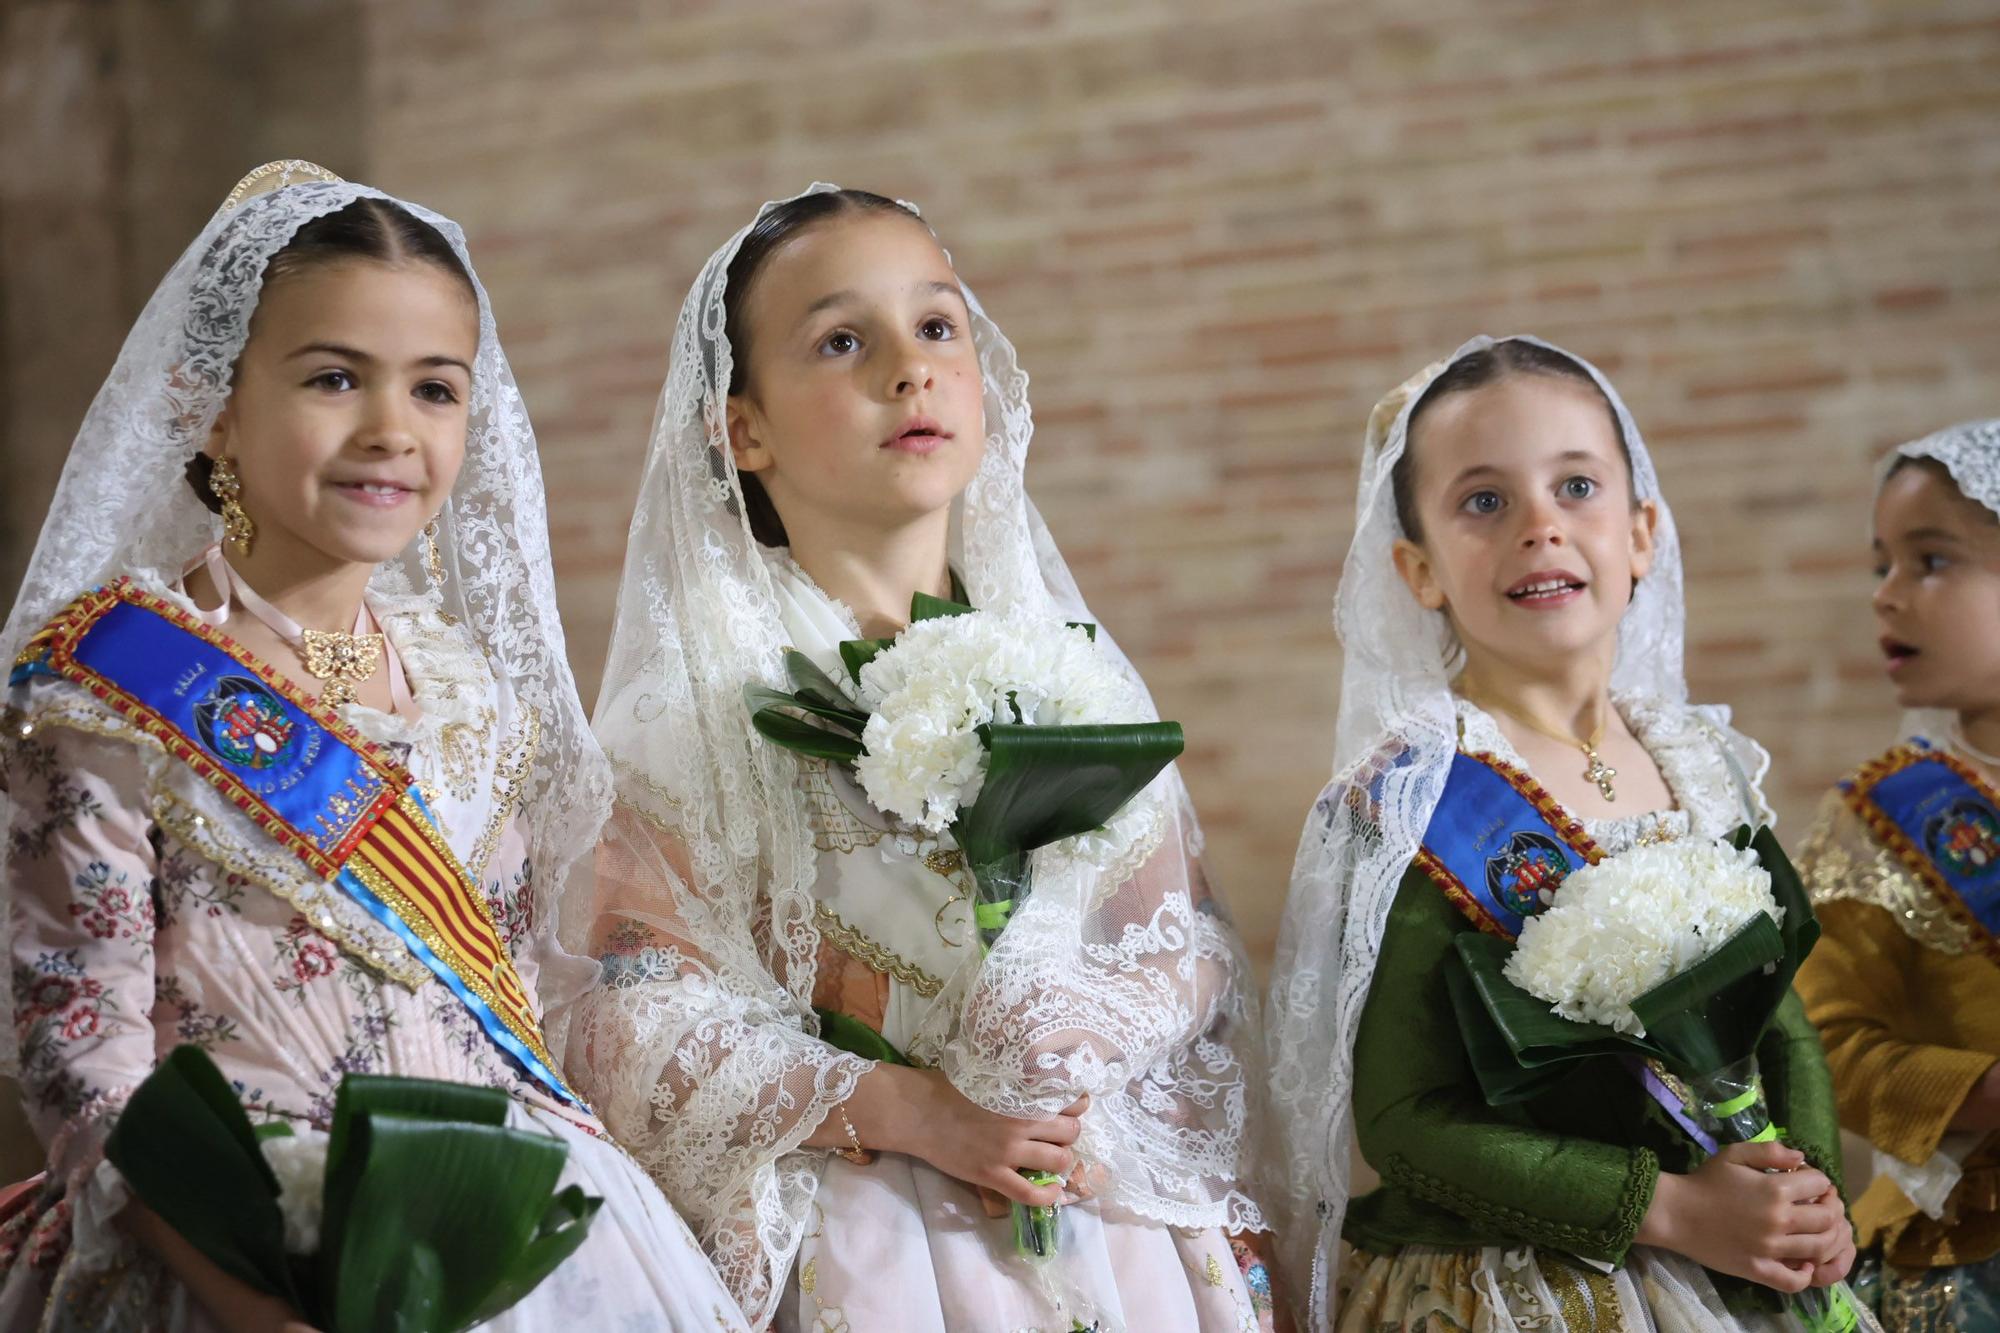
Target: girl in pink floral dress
(167, 879)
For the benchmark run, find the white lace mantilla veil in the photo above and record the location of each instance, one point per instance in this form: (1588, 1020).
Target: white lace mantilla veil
(1970, 452)
(1393, 747)
(123, 506)
(709, 1073)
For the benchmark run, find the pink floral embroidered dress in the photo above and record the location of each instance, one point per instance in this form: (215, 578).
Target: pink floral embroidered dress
(148, 911)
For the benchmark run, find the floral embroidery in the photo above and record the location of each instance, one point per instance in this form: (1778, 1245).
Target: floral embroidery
(304, 956)
(57, 1002)
(365, 1053)
(107, 907)
(184, 885)
(513, 909)
(628, 936)
(35, 759)
(190, 1023)
(65, 805)
(1255, 1275)
(40, 1229)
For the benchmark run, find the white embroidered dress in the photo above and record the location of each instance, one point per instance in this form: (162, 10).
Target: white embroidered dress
(897, 1243)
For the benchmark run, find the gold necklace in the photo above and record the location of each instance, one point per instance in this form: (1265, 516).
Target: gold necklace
(339, 661)
(1595, 769)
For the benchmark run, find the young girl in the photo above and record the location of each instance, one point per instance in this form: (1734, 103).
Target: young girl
(196, 743)
(1902, 867)
(842, 427)
(1513, 592)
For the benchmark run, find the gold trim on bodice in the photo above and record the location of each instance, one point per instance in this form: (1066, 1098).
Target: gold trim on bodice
(871, 954)
(1834, 870)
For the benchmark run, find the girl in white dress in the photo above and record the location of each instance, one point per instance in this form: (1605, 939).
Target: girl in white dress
(324, 365)
(842, 427)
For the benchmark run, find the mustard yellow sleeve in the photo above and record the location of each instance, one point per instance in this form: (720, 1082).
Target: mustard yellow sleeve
(1861, 985)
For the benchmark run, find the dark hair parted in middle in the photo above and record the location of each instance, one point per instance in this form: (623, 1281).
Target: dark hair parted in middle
(368, 228)
(1474, 371)
(778, 224)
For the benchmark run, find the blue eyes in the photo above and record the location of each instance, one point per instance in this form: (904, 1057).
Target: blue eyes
(844, 342)
(1486, 503)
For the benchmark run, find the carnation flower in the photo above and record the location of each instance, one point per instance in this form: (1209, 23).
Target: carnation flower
(298, 1160)
(1621, 927)
(931, 690)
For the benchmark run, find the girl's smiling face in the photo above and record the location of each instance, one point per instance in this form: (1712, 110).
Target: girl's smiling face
(1531, 541)
(347, 416)
(1937, 601)
(863, 403)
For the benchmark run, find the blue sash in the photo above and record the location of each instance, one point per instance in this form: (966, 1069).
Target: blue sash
(1942, 821)
(1499, 845)
(339, 803)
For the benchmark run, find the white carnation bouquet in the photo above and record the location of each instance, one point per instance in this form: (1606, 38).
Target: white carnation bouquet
(1672, 958)
(1621, 927)
(1002, 731)
(942, 682)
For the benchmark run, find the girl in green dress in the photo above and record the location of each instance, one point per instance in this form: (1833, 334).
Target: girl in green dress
(1513, 593)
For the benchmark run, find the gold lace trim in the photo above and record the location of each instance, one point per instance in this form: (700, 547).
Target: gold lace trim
(510, 773)
(1834, 872)
(870, 954)
(633, 773)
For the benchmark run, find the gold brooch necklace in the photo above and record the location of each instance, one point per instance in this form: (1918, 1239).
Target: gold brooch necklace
(338, 659)
(1595, 771)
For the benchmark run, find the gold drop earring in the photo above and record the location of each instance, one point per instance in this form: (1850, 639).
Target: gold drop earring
(434, 568)
(433, 559)
(237, 529)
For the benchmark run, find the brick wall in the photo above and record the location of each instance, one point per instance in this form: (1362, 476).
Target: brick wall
(1216, 233)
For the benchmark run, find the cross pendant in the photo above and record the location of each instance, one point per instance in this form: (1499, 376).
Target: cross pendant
(1600, 773)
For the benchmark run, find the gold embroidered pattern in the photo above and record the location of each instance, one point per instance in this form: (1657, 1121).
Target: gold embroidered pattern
(1835, 871)
(1589, 1300)
(809, 1276)
(1212, 1271)
(461, 747)
(510, 773)
(835, 828)
(870, 954)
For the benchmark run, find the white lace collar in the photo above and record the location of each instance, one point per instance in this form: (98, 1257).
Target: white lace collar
(1706, 799)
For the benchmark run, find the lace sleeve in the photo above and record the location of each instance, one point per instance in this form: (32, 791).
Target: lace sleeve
(699, 1060)
(1137, 996)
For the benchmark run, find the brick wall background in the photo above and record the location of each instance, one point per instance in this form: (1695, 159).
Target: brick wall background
(1216, 233)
